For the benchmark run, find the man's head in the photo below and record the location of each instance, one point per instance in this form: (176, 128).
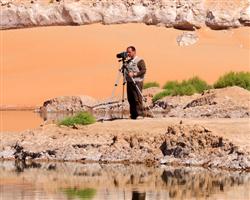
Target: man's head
(131, 51)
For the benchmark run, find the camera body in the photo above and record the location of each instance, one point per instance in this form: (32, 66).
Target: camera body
(123, 55)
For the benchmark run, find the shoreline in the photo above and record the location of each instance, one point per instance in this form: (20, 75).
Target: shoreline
(18, 108)
(127, 142)
(146, 164)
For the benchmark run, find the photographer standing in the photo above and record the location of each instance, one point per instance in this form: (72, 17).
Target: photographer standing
(136, 69)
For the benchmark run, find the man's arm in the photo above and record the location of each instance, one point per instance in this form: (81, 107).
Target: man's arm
(142, 67)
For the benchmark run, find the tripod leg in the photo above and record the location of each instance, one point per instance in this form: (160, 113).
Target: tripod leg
(119, 74)
(123, 87)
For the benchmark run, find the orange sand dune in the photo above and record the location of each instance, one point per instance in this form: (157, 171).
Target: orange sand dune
(42, 63)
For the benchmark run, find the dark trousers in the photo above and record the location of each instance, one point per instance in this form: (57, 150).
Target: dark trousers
(135, 99)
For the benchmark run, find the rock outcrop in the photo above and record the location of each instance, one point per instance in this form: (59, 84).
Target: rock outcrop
(198, 146)
(68, 104)
(180, 14)
(230, 102)
(87, 103)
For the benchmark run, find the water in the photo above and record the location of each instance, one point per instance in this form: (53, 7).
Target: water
(19, 120)
(12, 121)
(28, 181)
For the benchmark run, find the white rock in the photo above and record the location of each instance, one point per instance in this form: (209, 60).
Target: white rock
(180, 14)
(187, 39)
(245, 15)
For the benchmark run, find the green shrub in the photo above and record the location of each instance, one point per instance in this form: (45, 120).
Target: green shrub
(199, 84)
(162, 94)
(150, 84)
(181, 90)
(82, 118)
(170, 85)
(241, 79)
(187, 89)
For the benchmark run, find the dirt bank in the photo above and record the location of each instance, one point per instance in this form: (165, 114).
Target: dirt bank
(166, 141)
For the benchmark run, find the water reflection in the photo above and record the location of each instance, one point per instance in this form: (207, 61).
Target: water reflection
(27, 180)
(87, 193)
(138, 195)
(54, 117)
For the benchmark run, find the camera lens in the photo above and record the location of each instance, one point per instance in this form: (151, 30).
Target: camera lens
(122, 55)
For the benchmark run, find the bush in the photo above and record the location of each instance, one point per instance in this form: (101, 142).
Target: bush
(186, 87)
(82, 118)
(181, 90)
(170, 85)
(199, 84)
(162, 94)
(150, 84)
(241, 79)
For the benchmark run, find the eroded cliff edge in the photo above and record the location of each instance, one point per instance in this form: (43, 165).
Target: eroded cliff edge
(180, 14)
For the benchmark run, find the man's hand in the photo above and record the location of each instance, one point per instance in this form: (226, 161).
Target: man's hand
(132, 74)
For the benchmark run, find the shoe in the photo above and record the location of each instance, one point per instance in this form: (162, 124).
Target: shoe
(133, 117)
(140, 117)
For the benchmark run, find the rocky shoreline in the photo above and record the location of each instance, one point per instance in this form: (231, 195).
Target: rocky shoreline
(230, 102)
(208, 130)
(181, 14)
(149, 141)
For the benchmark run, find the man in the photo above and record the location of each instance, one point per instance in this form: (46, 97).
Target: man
(136, 70)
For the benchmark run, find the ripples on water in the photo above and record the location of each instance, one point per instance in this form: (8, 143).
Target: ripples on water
(46, 181)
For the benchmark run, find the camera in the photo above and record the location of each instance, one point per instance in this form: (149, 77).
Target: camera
(122, 55)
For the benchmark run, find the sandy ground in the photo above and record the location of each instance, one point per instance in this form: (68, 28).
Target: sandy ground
(42, 63)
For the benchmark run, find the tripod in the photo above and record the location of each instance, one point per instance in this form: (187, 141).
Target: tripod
(123, 71)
